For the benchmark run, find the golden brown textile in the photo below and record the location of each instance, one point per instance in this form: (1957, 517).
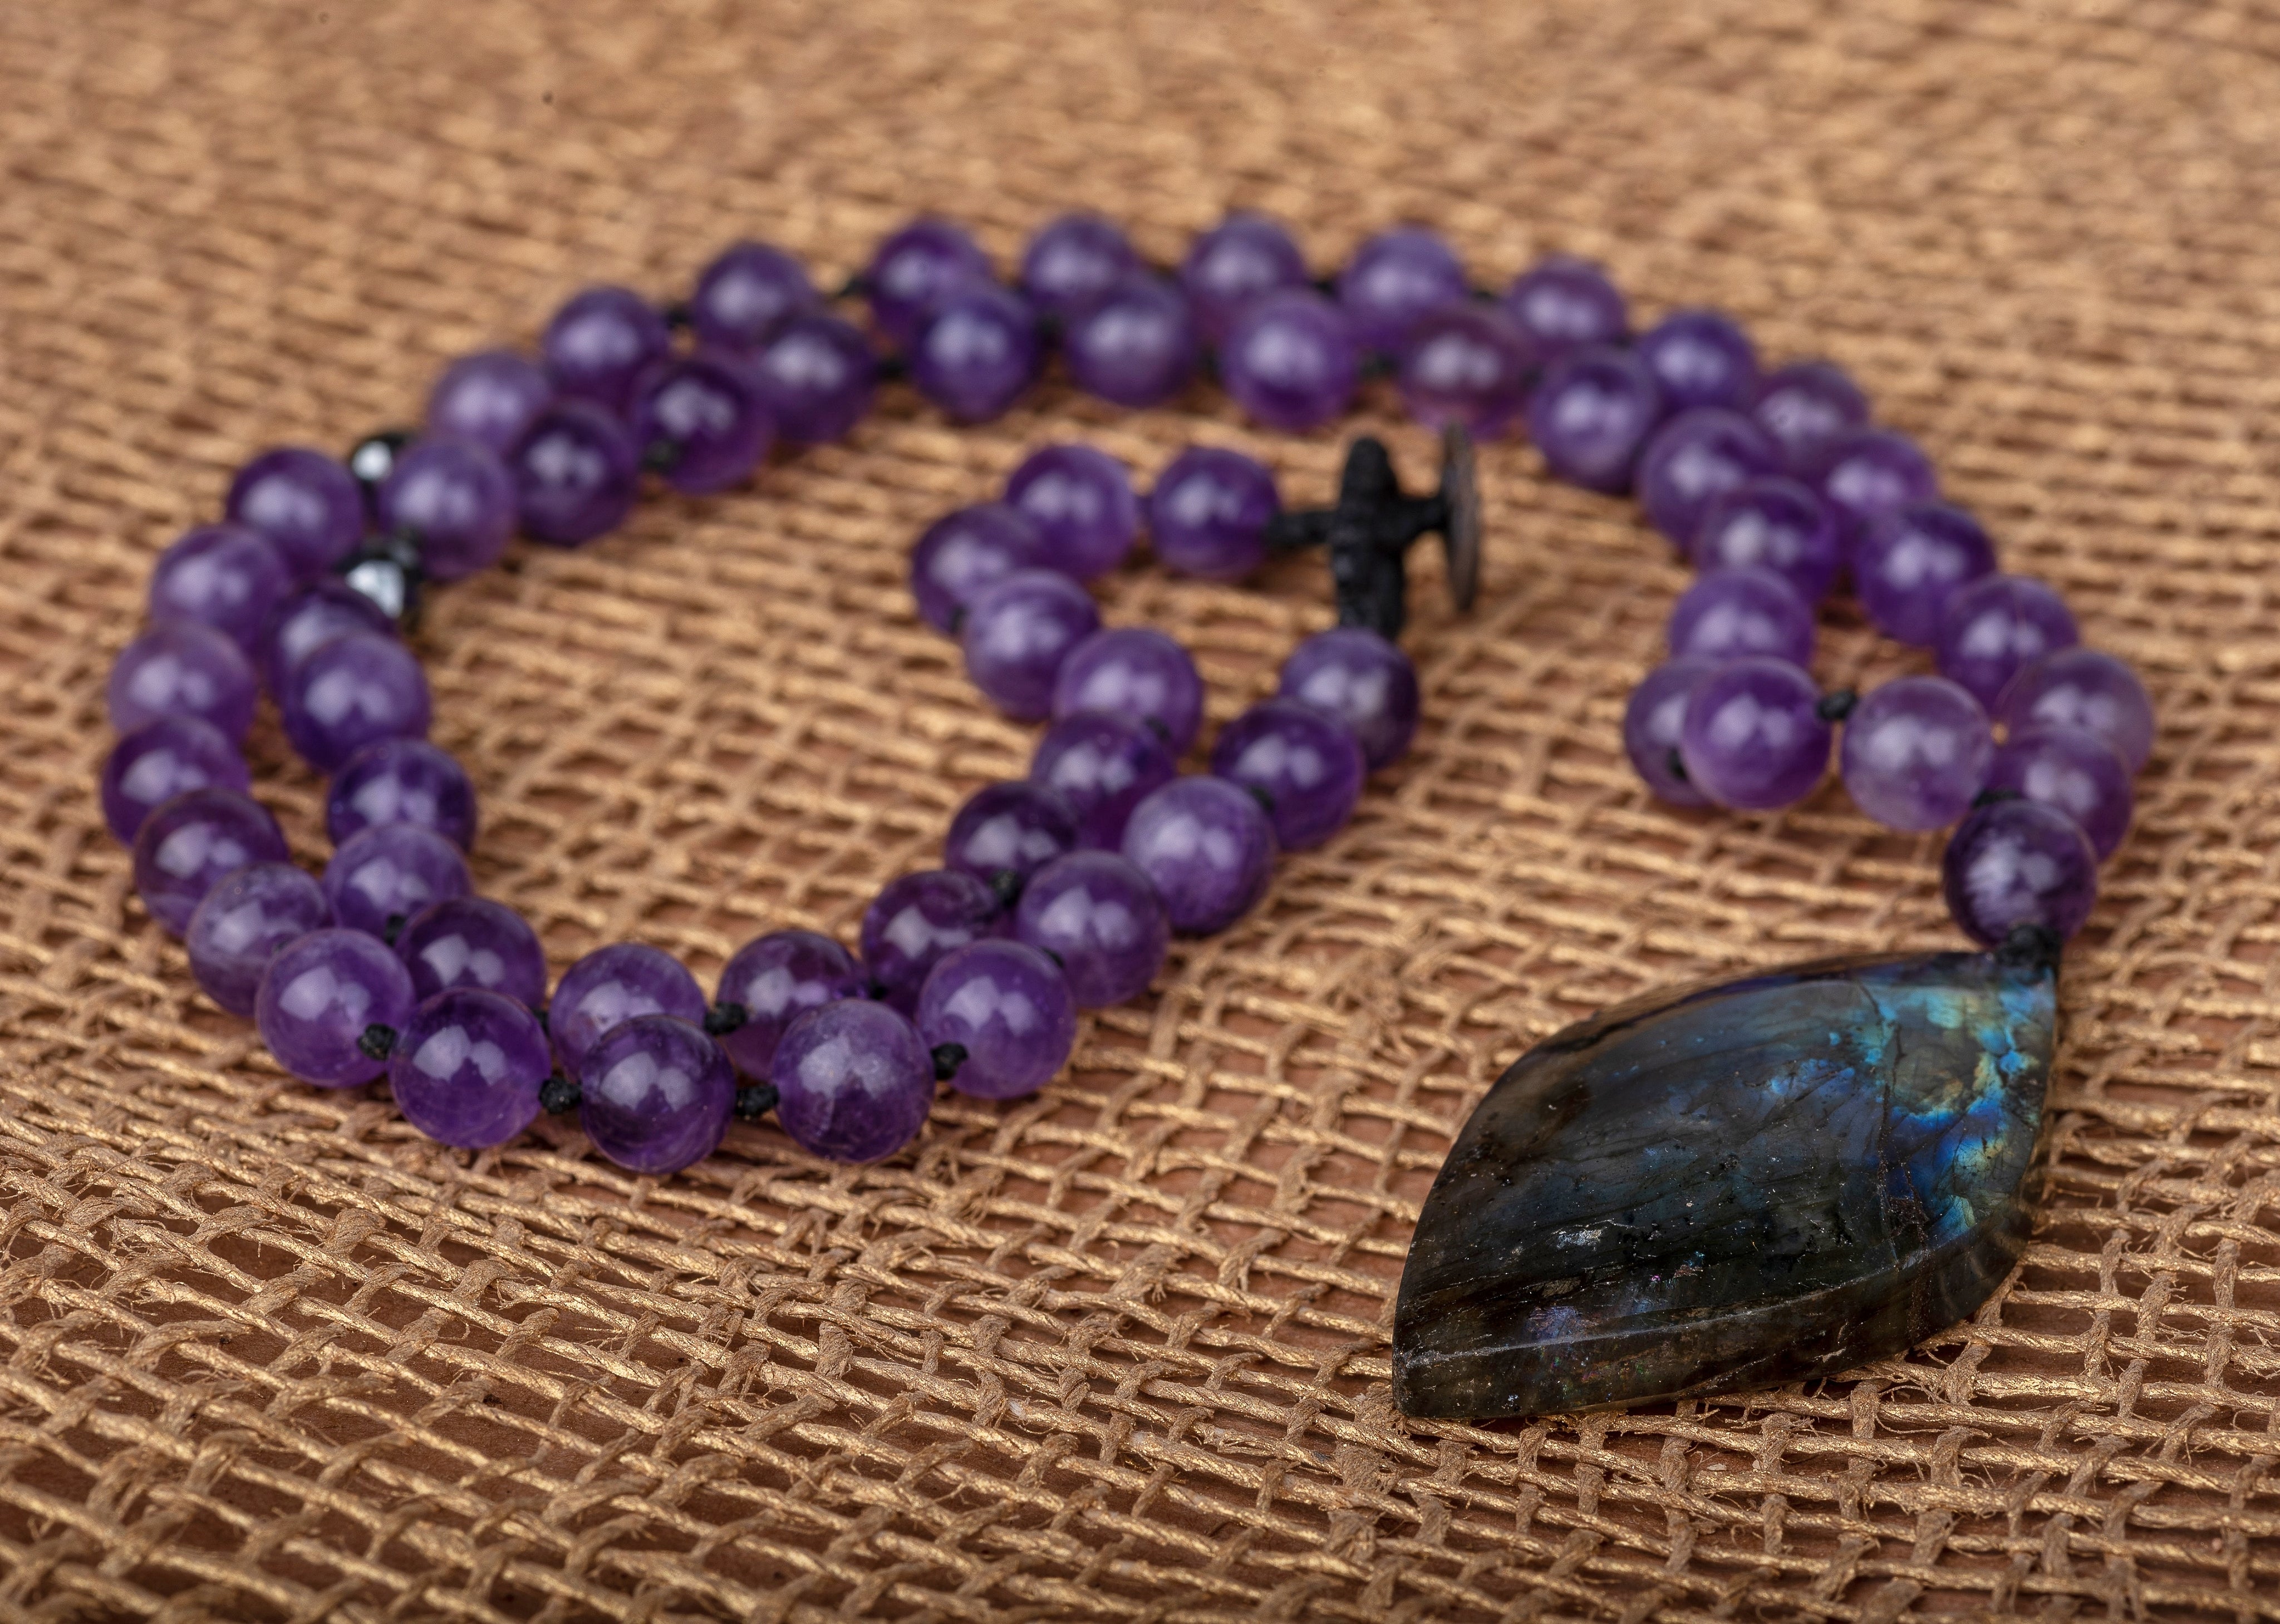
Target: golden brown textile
(1117, 1352)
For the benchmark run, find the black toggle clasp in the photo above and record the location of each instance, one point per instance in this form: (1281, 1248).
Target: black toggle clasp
(1368, 531)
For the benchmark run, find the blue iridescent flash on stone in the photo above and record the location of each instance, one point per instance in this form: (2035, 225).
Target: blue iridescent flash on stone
(1728, 1186)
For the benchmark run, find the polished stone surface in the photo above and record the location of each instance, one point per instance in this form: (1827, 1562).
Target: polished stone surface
(1728, 1186)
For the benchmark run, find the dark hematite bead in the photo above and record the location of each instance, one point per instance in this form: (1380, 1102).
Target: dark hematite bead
(1763, 1180)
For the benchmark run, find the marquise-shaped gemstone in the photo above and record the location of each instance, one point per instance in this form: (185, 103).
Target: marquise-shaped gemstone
(1731, 1185)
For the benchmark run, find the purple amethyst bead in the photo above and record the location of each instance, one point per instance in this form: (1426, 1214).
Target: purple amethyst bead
(1771, 523)
(181, 668)
(1006, 1005)
(1564, 303)
(774, 980)
(2013, 863)
(1906, 564)
(1871, 472)
(1017, 633)
(1653, 723)
(1593, 415)
(352, 692)
(2075, 772)
(576, 475)
(1466, 363)
(962, 554)
(468, 1066)
(1693, 459)
(1915, 753)
(491, 397)
(1290, 359)
(917, 918)
(612, 986)
(1208, 514)
(311, 617)
(1367, 683)
(1073, 260)
(600, 342)
(704, 418)
(189, 843)
(1101, 765)
(1238, 260)
(320, 995)
(226, 575)
(656, 1095)
(1082, 502)
(1135, 345)
(1701, 358)
(474, 942)
(1753, 738)
(383, 875)
(1729, 613)
(240, 924)
(854, 1080)
(1393, 280)
(915, 268)
(2082, 688)
(976, 350)
(457, 496)
(1305, 765)
(1990, 627)
(747, 293)
(816, 377)
(1100, 918)
(1808, 406)
(1014, 828)
(402, 780)
(1208, 848)
(304, 502)
(164, 758)
(1136, 672)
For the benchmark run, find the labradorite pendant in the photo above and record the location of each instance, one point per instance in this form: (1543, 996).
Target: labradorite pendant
(1754, 1182)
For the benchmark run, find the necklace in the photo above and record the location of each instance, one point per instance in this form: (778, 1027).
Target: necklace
(1772, 1177)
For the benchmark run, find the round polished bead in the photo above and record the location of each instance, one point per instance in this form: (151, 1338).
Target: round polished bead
(1206, 846)
(1917, 752)
(1101, 920)
(816, 376)
(853, 1081)
(611, 986)
(1135, 345)
(181, 668)
(383, 875)
(164, 758)
(474, 942)
(1081, 500)
(1073, 260)
(1808, 406)
(1771, 523)
(2013, 863)
(1239, 261)
(962, 554)
(1010, 829)
(1464, 364)
(1395, 278)
(600, 342)
(1017, 633)
(242, 923)
(1652, 722)
(1367, 683)
(704, 420)
(1209, 511)
(402, 780)
(1008, 1007)
(1729, 613)
(1989, 628)
(1563, 303)
(1869, 473)
(1101, 763)
(2082, 688)
(1908, 563)
(304, 502)
(914, 920)
(491, 397)
(1593, 415)
(774, 980)
(576, 475)
(468, 1066)
(311, 616)
(747, 293)
(458, 499)
(229, 576)
(2074, 771)
(1305, 764)
(320, 995)
(1136, 672)
(1290, 360)
(915, 268)
(191, 842)
(1701, 358)
(1693, 460)
(1753, 738)
(352, 692)
(976, 350)
(655, 1095)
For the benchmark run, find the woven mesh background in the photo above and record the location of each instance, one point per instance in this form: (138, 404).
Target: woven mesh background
(1117, 1352)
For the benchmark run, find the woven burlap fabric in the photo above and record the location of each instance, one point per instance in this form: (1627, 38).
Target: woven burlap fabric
(1119, 1352)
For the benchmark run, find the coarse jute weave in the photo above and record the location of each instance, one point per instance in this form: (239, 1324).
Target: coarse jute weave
(1117, 1352)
